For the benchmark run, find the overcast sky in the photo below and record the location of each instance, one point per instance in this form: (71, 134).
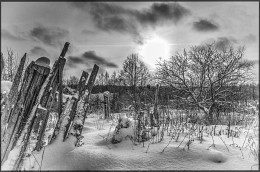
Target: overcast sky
(106, 33)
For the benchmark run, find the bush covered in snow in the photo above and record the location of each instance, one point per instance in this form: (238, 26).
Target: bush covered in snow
(124, 129)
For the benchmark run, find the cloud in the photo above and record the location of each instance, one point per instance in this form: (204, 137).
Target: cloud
(221, 42)
(51, 36)
(88, 32)
(90, 57)
(250, 38)
(109, 17)
(73, 60)
(7, 35)
(204, 25)
(161, 12)
(39, 51)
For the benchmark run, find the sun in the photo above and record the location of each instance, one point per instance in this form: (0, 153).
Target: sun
(154, 49)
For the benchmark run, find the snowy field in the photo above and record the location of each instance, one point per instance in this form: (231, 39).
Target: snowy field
(97, 154)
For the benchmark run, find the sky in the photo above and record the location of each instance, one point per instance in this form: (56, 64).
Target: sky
(105, 33)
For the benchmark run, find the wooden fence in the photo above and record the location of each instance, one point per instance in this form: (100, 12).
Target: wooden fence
(34, 116)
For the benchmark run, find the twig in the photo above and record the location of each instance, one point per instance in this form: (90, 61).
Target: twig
(224, 143)
(241, 151)
(182, 140)
(168, 143)
(42, 157)
(246, 137)
(148, 146)
(254, 165)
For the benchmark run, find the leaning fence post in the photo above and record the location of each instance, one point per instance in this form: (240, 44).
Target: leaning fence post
(34, 77)
(13, 93)
(88, 90)
(76, 98)
(2, 64)
(155, 111)
(48, 100)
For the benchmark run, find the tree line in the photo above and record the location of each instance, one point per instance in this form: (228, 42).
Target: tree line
(203, 77)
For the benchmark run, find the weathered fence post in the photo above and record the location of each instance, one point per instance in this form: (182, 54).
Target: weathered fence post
(2, 64)
(44, 97)
(88, 88)
(155, 111)
(106, 104)
(34, 77)
(13, 94)
(48, 100)
(72, 114)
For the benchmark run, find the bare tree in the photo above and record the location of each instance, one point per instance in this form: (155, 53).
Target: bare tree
(11, 65)
(134, 72)
(73, 80)
(113, 79)
(205, 75)
(106, 77)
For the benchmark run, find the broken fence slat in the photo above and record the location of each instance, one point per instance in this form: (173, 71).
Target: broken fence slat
(34, 78)
(80, 89)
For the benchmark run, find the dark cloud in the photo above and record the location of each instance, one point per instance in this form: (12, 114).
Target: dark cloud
(72, 60)
(161, 12)
(39, 51)
(224, 42)
(7, 35)
(89, 57)
(110, 17)
(250, 38)
(51, 36)
(221, 42)
(204, 25)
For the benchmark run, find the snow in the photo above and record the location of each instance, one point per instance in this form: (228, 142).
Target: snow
(6, 86)
(97, 153)
(43, 61)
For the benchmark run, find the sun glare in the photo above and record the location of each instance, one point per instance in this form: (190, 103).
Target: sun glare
(153, 50)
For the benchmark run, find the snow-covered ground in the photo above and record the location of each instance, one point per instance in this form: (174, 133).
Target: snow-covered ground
(6, 86)
(97, 154)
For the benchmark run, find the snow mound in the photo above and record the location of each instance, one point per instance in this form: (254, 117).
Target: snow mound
(6, 86)
(43, 61)
(125, 128)
(216, 156)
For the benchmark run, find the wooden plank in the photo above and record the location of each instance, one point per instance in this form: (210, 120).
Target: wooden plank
(77, 124)
(34, 78)
(88, 90)
(106, 106)
(47, 101)
(12, 96)
(15, 113)
(48, 98)
(2, 64)
(65, 116)
(80, 89)
(155, 111)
